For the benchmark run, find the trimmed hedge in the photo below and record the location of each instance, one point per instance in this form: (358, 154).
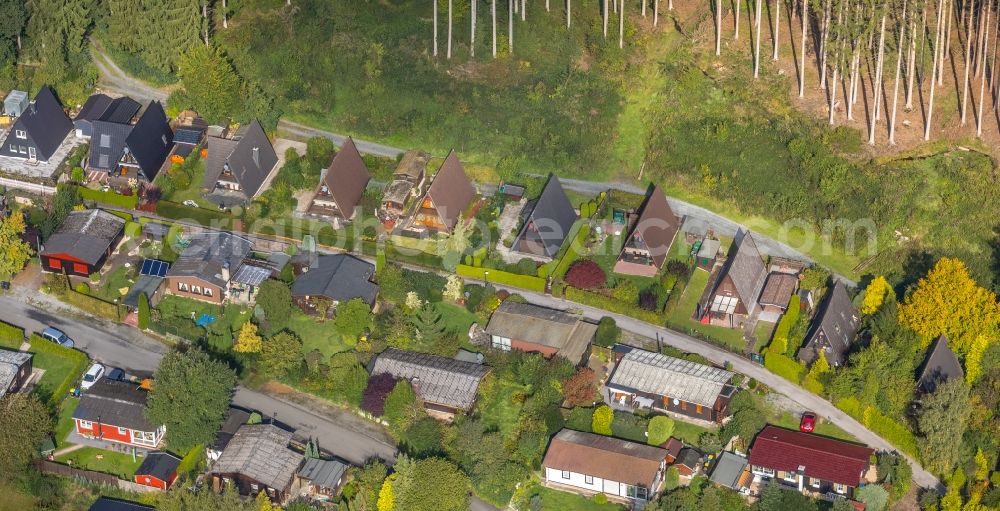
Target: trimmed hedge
(570, 252)
(11, 336)
(888, 428)
(205, 217)
(611, 305)
(110, 198)
(528, 282)
(79, 359)
(780, 364)
(92, 305)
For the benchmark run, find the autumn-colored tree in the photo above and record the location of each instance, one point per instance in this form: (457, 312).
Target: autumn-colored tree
(875, 295)
(947, 301)
(14, 252)
(263, 502)
(601, 421)
(248, 340)
(974, 359)
(982, 465)
(586, 274)
(386, 496)
(581, 388)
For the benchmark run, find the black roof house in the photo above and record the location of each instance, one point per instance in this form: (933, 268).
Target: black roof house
(143, 145)
(834, 329)
(158, 464)
(39, 130)
(339, 277)
(247, 159)
(547, 221)
(941, 365)
(116, 403)
(109, 504)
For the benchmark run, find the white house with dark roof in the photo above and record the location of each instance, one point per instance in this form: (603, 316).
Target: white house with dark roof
(445, 385)
(336, 278)
(237, 168)
(652, 380)
(39, 129)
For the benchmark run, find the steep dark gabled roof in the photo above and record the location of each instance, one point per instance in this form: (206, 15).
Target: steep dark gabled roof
(746, 269)
(347, 177)
(250, 157)
(46, 123)
(941, 365)
(657, 226)
(121, 110)
(109, 504)
(339, 277)
(550, 219)
(451, 192)
(835, 327)
(150, 140)
(94, 107)
(116, 134)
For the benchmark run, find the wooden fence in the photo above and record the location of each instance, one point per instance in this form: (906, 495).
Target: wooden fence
(51, 467)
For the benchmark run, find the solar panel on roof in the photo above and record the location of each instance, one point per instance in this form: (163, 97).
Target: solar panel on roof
(154, 268)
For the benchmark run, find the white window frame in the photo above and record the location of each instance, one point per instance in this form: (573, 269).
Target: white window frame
(21, 134)
(182, 286)
(840, 488)
(196, 290)
(769, 472)
(790, 477)
(86, 424)
(121, 430)
(815, 482)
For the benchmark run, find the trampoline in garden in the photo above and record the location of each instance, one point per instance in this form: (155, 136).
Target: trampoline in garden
(204, 320)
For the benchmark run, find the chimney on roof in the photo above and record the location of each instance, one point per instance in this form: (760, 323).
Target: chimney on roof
(225, 271)
(256, 156)
(31, 107)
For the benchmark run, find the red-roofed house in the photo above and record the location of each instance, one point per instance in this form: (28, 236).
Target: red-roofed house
(809, 462)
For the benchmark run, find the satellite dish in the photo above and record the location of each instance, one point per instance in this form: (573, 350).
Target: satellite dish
(676, 402)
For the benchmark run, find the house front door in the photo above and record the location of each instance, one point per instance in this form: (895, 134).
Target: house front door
(31, 153)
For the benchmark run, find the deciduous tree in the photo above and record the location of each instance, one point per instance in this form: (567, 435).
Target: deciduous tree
(280, 353)
(581, 388)
(248, 340)
(275, 299)
(14, 252)
(948, 301)
(659, 430)
(602, 419)
(211, 85)
(941, 420)
(353, 317)
(876, 292)
(24, 423)
(190, 397)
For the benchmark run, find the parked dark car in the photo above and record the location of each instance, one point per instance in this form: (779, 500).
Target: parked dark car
(116, 374)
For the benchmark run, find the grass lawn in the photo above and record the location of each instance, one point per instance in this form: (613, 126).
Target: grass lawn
(688, 432)
(823, 427)
(455, 317)
(504, 410)
(57, 370)
(110, 462)
(194, 191)
(228, 318)
(762, 332)
(64, 424)
(111, 283)
(681, 315)
(316, 335)
(553, 500)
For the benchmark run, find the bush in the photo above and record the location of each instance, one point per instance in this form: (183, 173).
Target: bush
(580, 419)
(626, 291)
(608, 332)
(677, 268)
(648, 300)
(77, 174)
(782, 333)
(571, 252)
(586, 274)
(82, 287)
(11, 336)
(602, 419)
(673, 479)
(660, 429)
(109, 197)
(600, 499)
(92, 305)
(379, 387)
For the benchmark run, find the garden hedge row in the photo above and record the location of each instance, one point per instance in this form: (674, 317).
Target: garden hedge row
(79, 359)
(780, 364)
(92, 305)
(11, 336)
(528, 282)
(611, 305)
(572, 251)
(109, 197)
(205, 217)
(888, 428)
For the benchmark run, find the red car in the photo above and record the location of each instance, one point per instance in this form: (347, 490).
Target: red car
(808, 422)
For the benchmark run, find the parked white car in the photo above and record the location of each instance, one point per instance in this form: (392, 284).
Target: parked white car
(96, 372)
(190, 203)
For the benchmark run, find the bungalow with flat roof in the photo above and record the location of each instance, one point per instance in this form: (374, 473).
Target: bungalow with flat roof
(82, 243)
(732, 300)
(940, 365)
(258, 459)
(15, 371)
(39, 130)
(445, 385)
(589, 464)
(652, 380)
(341, 187)
(645, 250)
(834, 329)
(407, 181)
(237, 168)
(531, 328)
(545, 222)
(446, 199)
(334, 279)
(809, 463)
(207, 267)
